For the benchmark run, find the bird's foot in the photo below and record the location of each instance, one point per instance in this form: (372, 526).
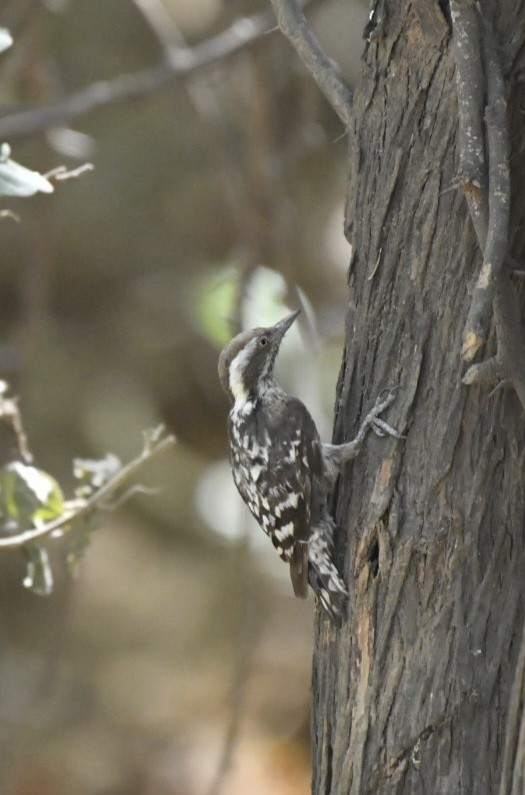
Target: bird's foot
(373, 421)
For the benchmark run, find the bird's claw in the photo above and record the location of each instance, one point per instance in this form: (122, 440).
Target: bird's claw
(381, 428)
(385, 399)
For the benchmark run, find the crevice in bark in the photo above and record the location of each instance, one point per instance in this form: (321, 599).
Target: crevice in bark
(373, 557)
(328, 784)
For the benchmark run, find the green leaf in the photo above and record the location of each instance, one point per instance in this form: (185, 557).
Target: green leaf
(29, 497)
(215, 304)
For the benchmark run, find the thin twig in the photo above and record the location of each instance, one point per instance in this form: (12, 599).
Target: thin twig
(96, 500)
(182, 62)
(295, 27)
(61, 173)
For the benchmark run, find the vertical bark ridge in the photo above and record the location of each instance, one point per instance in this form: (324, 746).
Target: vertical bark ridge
(412, 692)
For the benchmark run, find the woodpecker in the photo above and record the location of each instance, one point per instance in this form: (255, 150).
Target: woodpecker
(280, 467)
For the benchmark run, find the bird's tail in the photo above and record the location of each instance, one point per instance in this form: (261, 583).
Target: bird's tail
(323, 575)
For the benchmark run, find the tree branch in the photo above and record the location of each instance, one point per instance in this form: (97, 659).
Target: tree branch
(492, 235)
(470, 84)
(494, 293)
(295, 27)
(152, 448)
(177, 64)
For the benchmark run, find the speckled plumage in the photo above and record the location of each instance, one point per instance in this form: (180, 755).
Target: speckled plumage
(277, 463)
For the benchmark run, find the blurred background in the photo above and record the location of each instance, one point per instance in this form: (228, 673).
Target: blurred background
(176, 662)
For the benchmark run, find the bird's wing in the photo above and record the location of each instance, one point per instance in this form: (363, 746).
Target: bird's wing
(294, 455)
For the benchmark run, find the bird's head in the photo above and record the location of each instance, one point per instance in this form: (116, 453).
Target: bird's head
(247, 362)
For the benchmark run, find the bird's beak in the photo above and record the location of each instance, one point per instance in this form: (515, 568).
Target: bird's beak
(283, 325)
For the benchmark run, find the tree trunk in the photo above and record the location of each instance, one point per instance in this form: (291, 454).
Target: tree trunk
(412, 693)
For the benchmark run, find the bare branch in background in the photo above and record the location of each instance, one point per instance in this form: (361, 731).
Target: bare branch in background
(155, 444)
(61, 173)
(181, 62)
(295, 27)
(210, 112)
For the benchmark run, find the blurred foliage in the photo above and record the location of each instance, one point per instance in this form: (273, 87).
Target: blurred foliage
(116, 293)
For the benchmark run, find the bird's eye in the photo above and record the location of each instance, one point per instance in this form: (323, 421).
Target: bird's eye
(263, 341)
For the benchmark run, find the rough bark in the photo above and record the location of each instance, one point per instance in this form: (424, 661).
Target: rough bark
(412, 694)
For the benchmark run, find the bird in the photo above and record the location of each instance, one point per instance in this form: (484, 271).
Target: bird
(280, 467)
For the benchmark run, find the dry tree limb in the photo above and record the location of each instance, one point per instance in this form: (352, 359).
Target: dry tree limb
(181, 62)
(154, 445)
(484, 157)
(16, 124)
(470, 84)
(62, 173)
(494, 291)
(495, 239)
(295, 27)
